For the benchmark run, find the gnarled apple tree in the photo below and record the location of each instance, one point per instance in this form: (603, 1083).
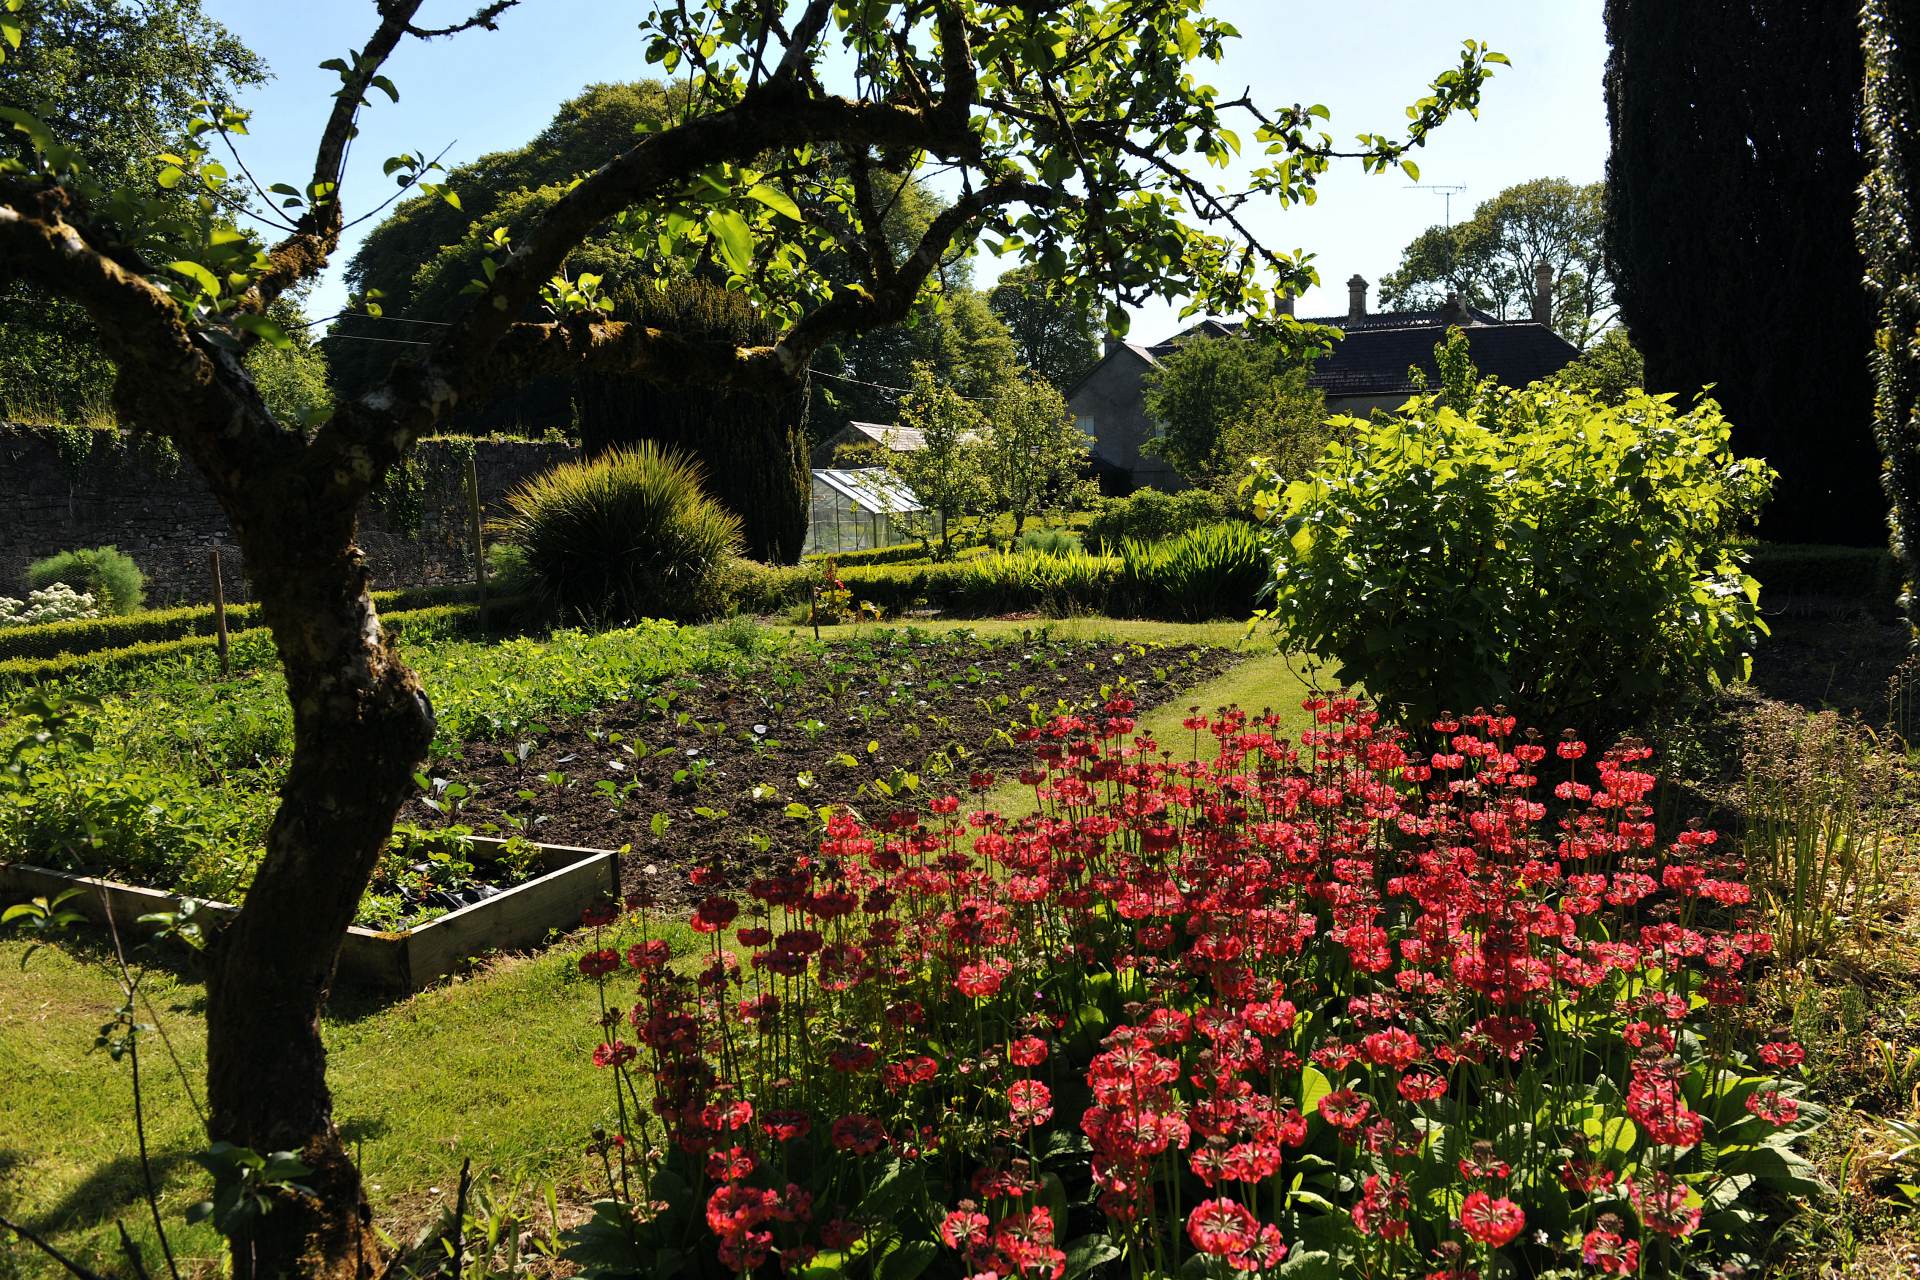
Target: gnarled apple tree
(1072, 134)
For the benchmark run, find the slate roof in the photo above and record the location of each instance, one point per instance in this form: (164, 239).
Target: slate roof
(1373, 358)
(898, 439)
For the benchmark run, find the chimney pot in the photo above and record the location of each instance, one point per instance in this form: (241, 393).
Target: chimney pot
(1357, 297)
(1542, 293)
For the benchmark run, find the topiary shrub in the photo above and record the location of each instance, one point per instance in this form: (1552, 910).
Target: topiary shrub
(1214, 571)
(106, 573)
(1153, 513)
(629, 534)
(1574, 560)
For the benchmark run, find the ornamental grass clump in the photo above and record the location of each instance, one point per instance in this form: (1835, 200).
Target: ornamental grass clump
(629, 534)
(1341, 1007)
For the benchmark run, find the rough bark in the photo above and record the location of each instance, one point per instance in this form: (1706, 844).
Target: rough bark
(362, 723)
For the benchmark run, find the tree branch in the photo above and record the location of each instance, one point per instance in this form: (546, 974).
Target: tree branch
(305, 250)
(486, 17)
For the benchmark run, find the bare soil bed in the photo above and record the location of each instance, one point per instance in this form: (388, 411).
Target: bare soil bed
(706, 777)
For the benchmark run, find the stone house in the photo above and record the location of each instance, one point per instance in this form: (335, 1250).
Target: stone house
(1366, 370)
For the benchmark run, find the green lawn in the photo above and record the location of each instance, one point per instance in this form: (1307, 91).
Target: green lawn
(492, 1066)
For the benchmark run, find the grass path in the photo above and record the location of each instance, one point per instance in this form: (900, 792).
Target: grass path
(492, 1066)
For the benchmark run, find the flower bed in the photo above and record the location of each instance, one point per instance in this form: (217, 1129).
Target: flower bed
(1343, 1008)
(549, 890)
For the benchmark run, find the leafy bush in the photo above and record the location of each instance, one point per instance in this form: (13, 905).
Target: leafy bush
(1151, 514)
(107, 574)
(57, 603)
(1048, 542)
(1327, 1023)
(629, 534)
(1573, 560)
(1214, 571)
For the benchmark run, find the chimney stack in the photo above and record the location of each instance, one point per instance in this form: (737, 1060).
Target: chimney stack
(1285, 306)
(1357, 297)
(1453, 310)
(1542, 294)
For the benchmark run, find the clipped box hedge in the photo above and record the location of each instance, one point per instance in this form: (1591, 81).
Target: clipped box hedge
(1787, 570)
(92, 635)
(18, 673)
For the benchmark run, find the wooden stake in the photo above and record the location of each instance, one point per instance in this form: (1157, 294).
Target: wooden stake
(479, 544)
(219, 613)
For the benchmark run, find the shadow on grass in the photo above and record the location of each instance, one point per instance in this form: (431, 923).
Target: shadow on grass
(112, 1190)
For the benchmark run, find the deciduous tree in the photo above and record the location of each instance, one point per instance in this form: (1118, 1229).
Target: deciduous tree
(1033, 452)
(1057, 339)
(1060, 124)
(1490, 259)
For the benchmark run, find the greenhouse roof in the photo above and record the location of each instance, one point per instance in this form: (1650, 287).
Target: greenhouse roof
(870, 488)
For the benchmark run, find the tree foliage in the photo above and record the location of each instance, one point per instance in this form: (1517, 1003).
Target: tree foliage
(118, 80)
(1219, 401)
(1033, 453)
(1062, 123)
(1609, 370)
(1889, 226)
(1054, 338)
(1490, 259)
(1730, 203)
(945, 472)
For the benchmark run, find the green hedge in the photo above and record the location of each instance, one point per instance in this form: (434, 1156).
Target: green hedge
(989, 584)
(92, 635)
(432, 620)
(1787, 569)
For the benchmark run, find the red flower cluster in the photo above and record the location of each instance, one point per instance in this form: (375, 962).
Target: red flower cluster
(1267, 972)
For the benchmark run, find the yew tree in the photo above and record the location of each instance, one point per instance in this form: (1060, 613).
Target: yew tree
(1073, 134)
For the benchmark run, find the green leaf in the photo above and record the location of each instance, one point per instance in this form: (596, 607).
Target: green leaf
(209, 284)
(264, 329)
(908, 1261)
(1087, 1254)
(735, 239)
(385, 86)
(775, 199)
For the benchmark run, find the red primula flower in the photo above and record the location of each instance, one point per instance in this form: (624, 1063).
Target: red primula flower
(1222, 1227)
(1489, 1220)
(1029, 1102)
(1773, 1106)
(1607, 1251)
(1027, 1051)
(1344, 1109)
(860, 1134)
(597, 964)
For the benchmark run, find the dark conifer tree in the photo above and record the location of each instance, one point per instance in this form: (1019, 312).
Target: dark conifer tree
(1731, 197)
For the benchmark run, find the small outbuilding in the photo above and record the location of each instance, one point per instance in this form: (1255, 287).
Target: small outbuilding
(859, 509)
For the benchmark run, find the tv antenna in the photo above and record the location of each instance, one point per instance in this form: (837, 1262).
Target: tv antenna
(1444, 192)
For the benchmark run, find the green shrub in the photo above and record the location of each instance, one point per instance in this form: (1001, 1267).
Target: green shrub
(1151, 514)
(1573, 560)
(106, 573)
(414, 624)
(1049, 542)
(629, 534)
(753, 587)
(88, 635)
(1216, 570)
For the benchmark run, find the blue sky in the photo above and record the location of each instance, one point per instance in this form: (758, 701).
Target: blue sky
(1364, 59)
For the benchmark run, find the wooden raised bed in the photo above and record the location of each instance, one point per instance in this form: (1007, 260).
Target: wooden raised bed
(519, 917)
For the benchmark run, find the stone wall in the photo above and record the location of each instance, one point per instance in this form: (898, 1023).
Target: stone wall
(62, 488)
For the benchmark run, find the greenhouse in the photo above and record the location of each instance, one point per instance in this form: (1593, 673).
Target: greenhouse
(854, 510)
